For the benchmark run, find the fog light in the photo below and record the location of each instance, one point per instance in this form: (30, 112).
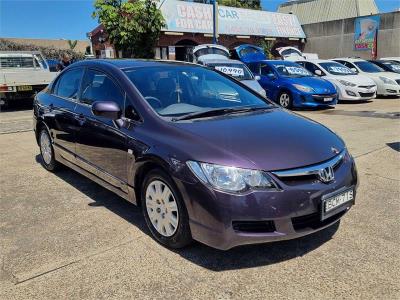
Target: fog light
(391, 91)
(350, 93)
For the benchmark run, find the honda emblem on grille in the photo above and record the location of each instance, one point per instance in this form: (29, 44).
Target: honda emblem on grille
(326, 175)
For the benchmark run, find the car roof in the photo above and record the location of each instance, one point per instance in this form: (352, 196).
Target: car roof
(222, 61)
(316, 61)
(131, 63)
(350, 59)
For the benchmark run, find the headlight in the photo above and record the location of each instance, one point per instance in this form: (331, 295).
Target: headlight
(231, 179)
(387, 80)
(303, 88)
(347, 83)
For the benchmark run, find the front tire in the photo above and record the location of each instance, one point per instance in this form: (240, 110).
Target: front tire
(164, 211)
(47, 151)
(285, 99)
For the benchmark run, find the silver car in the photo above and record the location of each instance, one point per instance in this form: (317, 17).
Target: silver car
(237, 70)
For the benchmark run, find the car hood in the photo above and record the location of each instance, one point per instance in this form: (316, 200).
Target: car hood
(270, 140)
(318, 84)
(389, 75)
(356, 79)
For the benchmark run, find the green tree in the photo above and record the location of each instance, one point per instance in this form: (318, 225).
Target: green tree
(132, 26)
(251, 4)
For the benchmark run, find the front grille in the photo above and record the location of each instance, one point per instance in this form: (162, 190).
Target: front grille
(398, 81)
(254, 226)
(367, 94)
(313, 221)
(366, 86)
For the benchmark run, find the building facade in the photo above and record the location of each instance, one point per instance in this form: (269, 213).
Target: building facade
(190, 24)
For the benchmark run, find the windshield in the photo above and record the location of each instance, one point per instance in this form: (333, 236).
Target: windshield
(206, 51)
(179, 90)
(394, 66)
(291, 70)
(237, 71)
(336, 68)
(368, 67)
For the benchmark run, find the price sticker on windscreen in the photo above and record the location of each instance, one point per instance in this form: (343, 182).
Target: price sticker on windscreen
(341, 70)
(297, 71)
(236, 72)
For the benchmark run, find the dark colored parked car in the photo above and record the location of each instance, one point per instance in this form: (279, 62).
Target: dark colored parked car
(387, 65)
(206, 157)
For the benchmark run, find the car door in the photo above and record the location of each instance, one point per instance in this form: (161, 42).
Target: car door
(101, 146)
(61, 107)
(268, 80)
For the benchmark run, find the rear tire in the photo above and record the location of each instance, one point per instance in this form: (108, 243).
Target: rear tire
(164, 211)
(285, 99)
(47, 151)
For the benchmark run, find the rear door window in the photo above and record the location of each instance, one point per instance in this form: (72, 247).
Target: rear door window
(69, 83)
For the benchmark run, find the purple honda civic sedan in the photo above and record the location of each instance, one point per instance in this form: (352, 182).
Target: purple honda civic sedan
(205, 157)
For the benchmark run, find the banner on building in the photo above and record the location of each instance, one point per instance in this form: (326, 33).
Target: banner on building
(183, 16)
(365, 31)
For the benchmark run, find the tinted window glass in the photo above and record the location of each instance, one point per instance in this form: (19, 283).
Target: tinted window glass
(97, 86)
(335, 68)
(368, 67)
(238, 71)
(68, 84)
(266, 70)
(179, 90)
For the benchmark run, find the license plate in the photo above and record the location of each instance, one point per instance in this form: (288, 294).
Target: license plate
(328, 99)
(24, 88)
(336, 203)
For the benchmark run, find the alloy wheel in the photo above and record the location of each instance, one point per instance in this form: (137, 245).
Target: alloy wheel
(162, 208)
(45, 147)
(284, 100)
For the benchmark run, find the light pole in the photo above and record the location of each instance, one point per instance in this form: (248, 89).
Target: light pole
(215, 21)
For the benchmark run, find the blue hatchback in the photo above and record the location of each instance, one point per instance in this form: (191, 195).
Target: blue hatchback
(286, 82)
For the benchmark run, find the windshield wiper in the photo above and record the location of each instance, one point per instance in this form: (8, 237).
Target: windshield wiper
(219, 112)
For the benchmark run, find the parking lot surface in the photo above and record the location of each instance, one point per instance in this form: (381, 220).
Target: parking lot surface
(63, 236)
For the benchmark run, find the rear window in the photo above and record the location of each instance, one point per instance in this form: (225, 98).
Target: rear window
(237, 71)
(16, 62)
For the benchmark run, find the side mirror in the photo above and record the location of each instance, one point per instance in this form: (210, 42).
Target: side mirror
(257, 77)
(271, 76)
(354, 70)
(107, 109)
(318, 72)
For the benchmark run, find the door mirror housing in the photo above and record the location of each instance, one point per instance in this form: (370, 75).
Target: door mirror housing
(271, 76)
(257, 77)
(354, 70)
(318, 72)
(107, 109)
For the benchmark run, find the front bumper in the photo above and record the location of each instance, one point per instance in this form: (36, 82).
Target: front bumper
(356, 93)
(223, 220)
(389, 90)
(313, 100)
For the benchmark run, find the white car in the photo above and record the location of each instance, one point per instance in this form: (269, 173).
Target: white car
(391, 58)
(350, 86)
(209, 51)
(388, 83)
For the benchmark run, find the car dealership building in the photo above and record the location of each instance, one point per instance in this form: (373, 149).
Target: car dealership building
(190, 24)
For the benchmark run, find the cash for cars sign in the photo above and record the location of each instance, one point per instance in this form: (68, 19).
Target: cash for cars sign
(365, 31)
(183, 16)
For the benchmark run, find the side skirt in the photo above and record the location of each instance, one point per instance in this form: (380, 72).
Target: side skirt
(129, 196)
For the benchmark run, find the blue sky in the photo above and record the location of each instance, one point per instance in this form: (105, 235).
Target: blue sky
(71, 19)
